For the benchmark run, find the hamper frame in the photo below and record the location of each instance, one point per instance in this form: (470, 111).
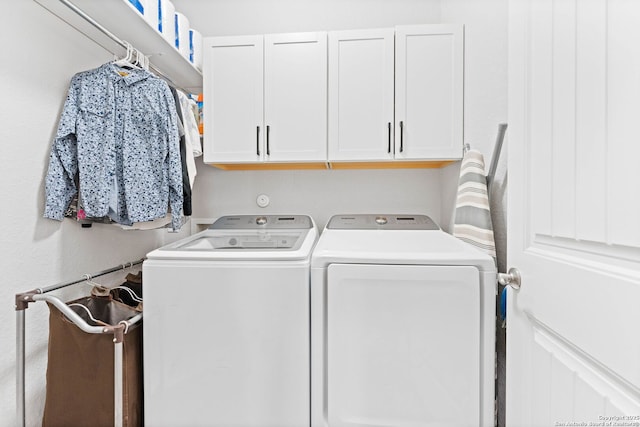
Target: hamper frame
(22, 303)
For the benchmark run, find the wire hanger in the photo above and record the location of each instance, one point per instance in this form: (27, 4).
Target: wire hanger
(126, 61)
(142, 60)
(88, 279)
(133, 59)
(131, 293)
(97, 289)
(86, 310)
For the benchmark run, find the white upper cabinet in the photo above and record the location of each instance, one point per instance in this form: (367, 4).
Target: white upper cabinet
(233, 99)
(361, 95)
(265, 98)
(422, 119)
(429, 92)
(376, 95)
(295, 102)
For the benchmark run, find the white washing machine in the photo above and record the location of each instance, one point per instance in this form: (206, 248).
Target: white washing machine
(226, 325)
(403, 325)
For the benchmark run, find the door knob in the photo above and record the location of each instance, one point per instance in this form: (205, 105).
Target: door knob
(512, 278)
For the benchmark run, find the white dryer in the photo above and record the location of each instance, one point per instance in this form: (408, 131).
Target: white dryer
(226, 325)
(403, 325)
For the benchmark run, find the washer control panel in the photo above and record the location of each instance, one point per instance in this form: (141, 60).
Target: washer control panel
(381, 222)
(257, 222)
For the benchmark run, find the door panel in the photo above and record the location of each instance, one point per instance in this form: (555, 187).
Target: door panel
(570, 388)
(233, 107)
(623, 99)
(296, 96)
(429, 92)
(572, 344)
(403, 345)
(361, 65)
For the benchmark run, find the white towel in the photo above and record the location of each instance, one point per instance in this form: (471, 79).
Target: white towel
(473, 218)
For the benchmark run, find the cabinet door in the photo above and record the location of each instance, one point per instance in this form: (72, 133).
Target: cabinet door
(429, 92)
(361, 94)
(295, 82)
(233, 99)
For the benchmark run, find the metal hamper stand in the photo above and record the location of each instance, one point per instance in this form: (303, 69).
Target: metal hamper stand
(118, 331)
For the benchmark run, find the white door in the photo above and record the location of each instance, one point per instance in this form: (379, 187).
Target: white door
(385, 339)
(429, 92)
(361, 67)
(573, 334)
(295, 84)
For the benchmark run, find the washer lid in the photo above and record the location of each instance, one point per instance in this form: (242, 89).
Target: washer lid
(381, 222)
(211, 240)
(246, 237)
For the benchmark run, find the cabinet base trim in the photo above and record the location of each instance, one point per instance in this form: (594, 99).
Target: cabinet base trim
(430, 164)
(267, 166)
(425, 164)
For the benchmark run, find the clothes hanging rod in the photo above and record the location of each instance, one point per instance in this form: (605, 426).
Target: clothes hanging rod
(83, 279)
(86, 277)
(115, 38)
(93, 22)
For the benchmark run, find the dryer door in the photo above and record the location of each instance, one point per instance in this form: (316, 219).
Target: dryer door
(403, 345)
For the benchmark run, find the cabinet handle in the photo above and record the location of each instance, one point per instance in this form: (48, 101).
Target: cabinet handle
(401, 136)
(389, 137)
(258, 140)
(268, 148)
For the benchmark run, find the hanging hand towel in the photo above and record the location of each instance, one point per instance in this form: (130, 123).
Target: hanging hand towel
(473, 217)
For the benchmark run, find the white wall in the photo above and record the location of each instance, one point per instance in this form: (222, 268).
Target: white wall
(36, 69)
(485, 98)
(39, 56)
(237, 17)
(320, 193)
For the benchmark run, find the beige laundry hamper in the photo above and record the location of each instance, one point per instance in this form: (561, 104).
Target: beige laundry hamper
(80, 370)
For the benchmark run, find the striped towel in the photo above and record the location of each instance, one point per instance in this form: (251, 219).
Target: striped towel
(473, 217)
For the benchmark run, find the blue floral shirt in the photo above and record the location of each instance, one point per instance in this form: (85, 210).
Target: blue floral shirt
(118, 132)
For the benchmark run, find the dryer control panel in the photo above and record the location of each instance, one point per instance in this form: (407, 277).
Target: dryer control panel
(381, 222)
